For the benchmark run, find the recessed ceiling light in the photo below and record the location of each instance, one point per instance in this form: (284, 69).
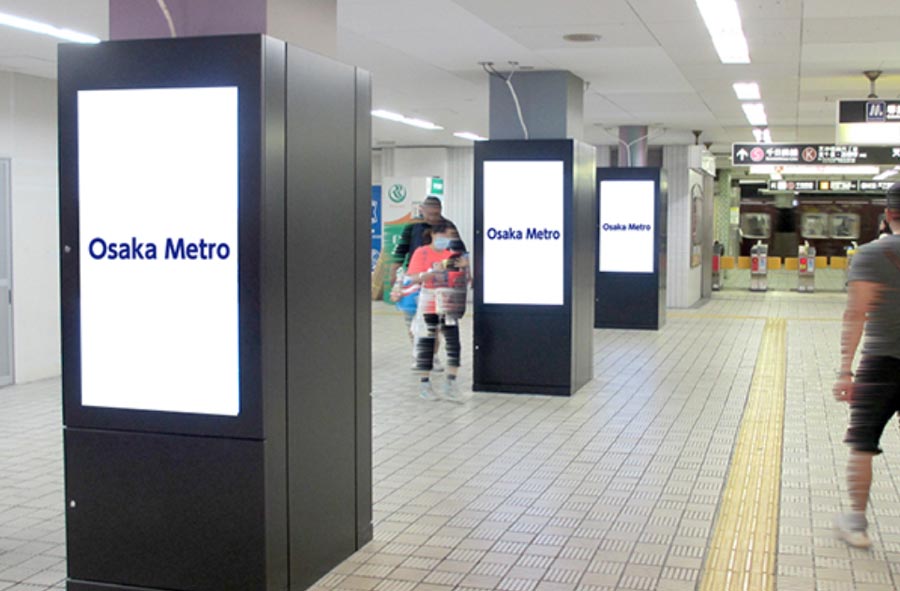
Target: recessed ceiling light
(26, 24)
(723, 21)
(756, 114)
(747, 91)
(582, 37)
(468, 135)
(391, 116)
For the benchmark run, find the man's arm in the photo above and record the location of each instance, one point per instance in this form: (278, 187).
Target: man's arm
(861, 299)
(401, 250)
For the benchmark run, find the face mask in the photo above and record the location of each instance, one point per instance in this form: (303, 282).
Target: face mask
(441, 243)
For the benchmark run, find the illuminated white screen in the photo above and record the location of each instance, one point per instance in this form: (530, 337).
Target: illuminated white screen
(523, 233)
(627, 226)
(159, 167)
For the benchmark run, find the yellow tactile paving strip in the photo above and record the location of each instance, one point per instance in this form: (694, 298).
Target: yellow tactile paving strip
(745, 535)
(700, 315)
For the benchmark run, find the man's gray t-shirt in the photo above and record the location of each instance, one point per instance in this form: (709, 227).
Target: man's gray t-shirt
(879, 262)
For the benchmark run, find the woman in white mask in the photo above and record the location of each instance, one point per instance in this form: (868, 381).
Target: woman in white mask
(442, 270)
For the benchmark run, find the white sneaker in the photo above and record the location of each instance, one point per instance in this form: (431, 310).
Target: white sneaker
(851, 528)
(426, 392)
(451, 392)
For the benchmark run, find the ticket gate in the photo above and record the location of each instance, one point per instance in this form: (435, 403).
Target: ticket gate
(759, 267)
(806, 268)
(718, 253)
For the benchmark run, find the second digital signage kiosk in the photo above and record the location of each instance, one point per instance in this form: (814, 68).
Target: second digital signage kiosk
(534, 248)
(214, 244)
(631, 269)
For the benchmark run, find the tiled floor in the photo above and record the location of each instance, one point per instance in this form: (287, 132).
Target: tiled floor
(614, 488)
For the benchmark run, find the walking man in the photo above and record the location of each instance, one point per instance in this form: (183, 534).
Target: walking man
(873, 308)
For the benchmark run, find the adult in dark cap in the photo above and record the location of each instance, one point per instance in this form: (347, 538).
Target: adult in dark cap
(418, 233)
(414, 235)
(873, 310)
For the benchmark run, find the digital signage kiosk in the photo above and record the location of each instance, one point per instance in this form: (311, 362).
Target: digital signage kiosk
(534, 251)
(631, 258)
(216, 407)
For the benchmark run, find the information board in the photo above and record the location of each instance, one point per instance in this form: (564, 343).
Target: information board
(158, 249)
(627, 212)
(523, 232)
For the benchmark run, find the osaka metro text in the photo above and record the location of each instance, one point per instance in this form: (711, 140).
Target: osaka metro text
(174, 249)
(528, 234)
(627, 227)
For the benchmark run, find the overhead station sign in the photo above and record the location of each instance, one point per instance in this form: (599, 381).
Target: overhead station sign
(523, 220)
(868, 122)
(830, 186)
(868, 111)
(158, 249)
(813, 154)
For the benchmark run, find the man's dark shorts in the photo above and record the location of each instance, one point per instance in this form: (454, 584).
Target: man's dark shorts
(876, 398)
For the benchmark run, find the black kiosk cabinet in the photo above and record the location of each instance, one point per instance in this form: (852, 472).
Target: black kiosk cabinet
(534, 249)
(216, 390)
(631, 260)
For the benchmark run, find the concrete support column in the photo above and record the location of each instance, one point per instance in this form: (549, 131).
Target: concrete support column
(311, 24)
(683, 282)
(633, 145)
(551, 106)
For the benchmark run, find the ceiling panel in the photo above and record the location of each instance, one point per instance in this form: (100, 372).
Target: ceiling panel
(621, 70)
(851, 30)
(576, 14)
(861, 55)
(655, 62)
(613, 35)
(666, 11)
(838, 9)
(598, 107)
(400, 16)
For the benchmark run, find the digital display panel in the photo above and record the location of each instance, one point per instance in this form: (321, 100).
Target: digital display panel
(158, 249)
(627, 218)
(523, 218)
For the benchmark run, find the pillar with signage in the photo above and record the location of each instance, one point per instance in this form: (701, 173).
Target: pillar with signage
(534, 249)
(631, 264)
(216, 409)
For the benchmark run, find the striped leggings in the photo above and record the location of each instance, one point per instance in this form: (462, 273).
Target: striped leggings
(425, 344)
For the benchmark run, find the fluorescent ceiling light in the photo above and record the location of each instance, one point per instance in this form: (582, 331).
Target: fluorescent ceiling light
(723, 21)
(747, 91)
(391, 116)
(886, 174)
(763, 136)
(467, 135)
(756, 114)
(25, 24)
(815, 169)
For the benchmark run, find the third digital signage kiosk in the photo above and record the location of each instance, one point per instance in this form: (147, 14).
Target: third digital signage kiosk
(534, 245)
(214, 245)
(631, 259)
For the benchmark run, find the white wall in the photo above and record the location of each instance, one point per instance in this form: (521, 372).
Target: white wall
(28, 138)
(454, 165)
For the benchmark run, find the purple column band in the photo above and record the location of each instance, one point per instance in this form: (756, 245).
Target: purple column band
(142, 19)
